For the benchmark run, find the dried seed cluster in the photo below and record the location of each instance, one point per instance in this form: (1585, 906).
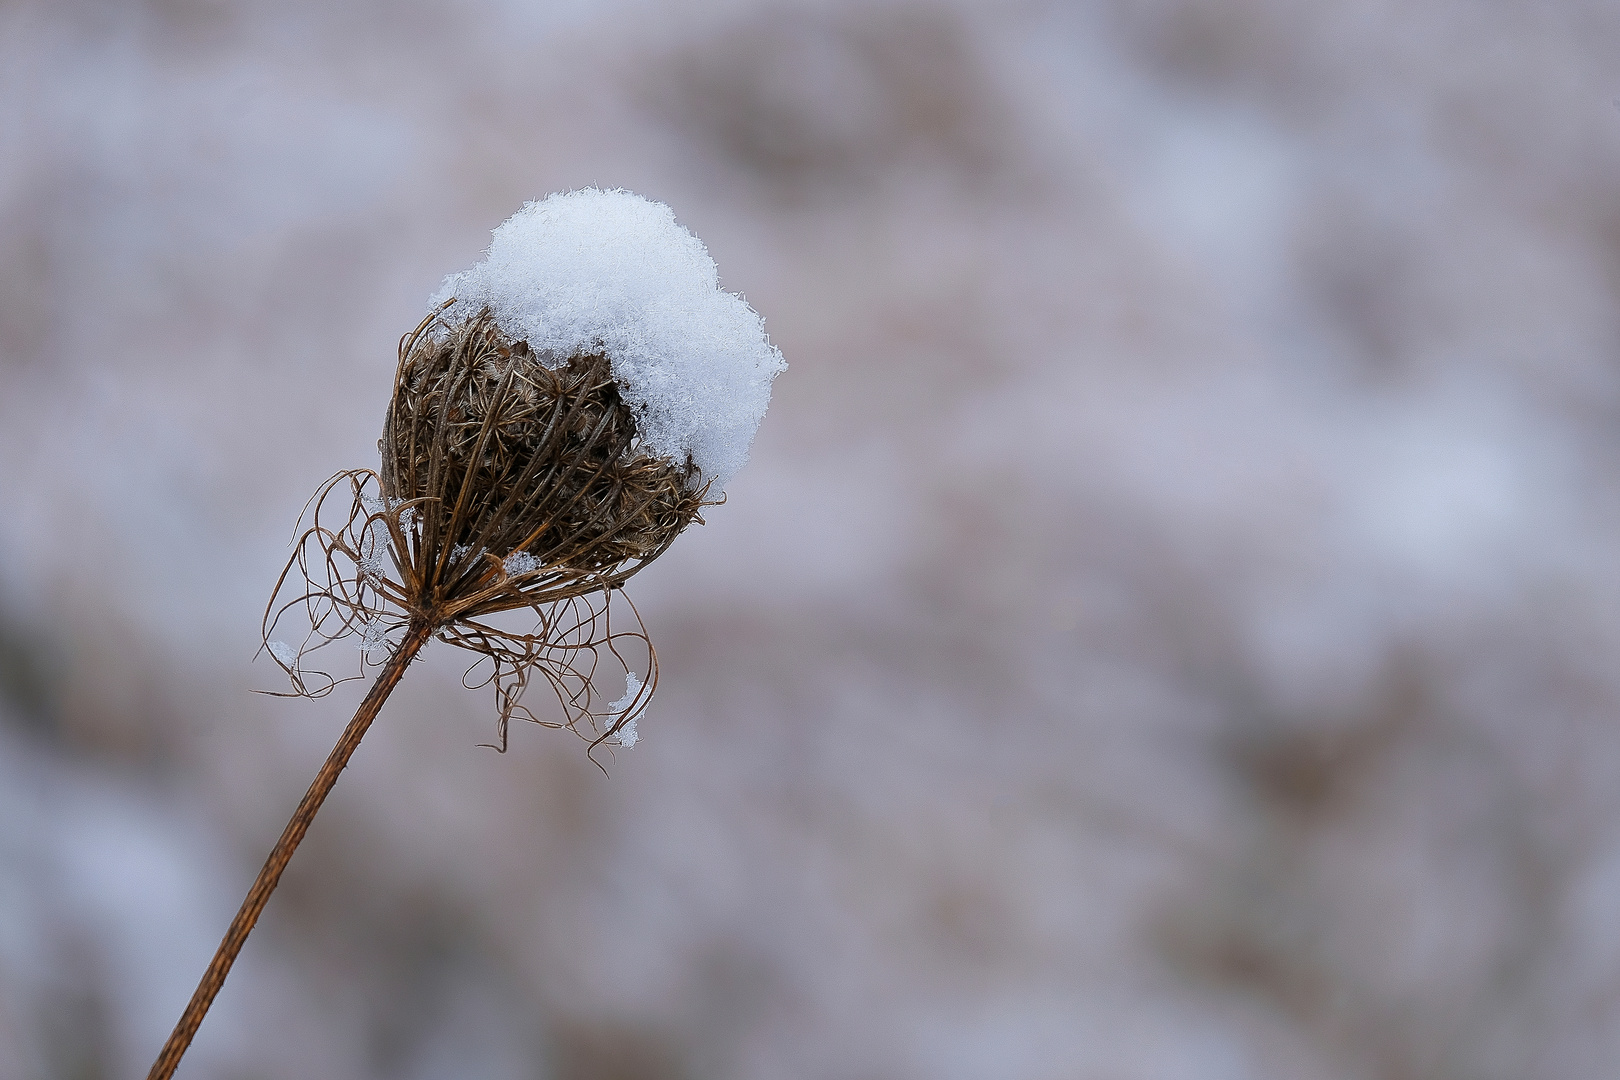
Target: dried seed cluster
(506, 483)
(520, 474)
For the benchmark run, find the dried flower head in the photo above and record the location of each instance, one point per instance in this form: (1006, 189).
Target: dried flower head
(569, 407)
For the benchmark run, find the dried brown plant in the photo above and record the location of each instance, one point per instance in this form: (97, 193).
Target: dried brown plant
(509, 482)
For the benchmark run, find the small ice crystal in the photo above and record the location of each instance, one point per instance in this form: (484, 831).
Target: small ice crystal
(283, 652)
(626, 735)
(520, 562)
(373, 634)
(373, 542)
(372, 547)
(611, 272)
(376, 504)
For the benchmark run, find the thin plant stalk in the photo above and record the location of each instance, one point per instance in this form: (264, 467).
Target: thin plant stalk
(417, 634)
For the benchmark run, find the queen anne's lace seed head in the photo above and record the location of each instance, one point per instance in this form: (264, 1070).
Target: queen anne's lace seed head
(567, 409)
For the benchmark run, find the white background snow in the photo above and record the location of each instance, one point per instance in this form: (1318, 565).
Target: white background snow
(1168, 628)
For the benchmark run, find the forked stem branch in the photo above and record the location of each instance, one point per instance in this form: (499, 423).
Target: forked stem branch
(417, 635)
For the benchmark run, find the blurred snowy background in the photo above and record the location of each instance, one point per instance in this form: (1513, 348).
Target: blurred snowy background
(1169, 630)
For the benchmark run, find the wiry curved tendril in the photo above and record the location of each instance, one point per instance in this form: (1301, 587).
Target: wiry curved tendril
(342, 581)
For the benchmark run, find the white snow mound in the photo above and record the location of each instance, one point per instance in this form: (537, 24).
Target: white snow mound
(610, 271)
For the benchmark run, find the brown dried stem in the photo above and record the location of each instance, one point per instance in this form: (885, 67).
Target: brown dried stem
(265, 884)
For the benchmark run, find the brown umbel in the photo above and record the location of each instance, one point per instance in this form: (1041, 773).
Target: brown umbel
(517, 456)
(505, 484)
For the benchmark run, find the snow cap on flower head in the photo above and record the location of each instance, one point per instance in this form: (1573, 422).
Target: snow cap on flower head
(610, 272)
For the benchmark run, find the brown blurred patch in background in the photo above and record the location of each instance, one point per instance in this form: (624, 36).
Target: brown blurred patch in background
(1168, 628)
